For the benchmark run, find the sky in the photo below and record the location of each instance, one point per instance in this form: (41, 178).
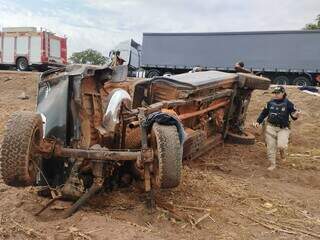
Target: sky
(102, 24)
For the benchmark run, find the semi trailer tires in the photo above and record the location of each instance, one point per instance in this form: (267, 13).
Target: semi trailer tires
(302, 81)
(153, 73)
(281, 80)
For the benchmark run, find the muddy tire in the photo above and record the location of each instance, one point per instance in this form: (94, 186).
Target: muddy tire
(18, 160)
(246, 138)
(168, 156)
(251, 81)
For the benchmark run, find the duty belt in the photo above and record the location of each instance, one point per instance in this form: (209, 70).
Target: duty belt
(278, 125)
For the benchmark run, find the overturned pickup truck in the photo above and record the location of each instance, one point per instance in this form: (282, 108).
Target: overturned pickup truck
(94, 128)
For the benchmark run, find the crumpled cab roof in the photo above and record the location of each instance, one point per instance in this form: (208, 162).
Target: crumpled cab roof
(198, 79)
(73, 70)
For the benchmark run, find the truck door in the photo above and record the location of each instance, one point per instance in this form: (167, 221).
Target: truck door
(63, 50)
(22, 46)
(35, 49)
(8, 50)
(55, 52)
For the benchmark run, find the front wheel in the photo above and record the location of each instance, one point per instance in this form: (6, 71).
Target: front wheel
(167, 156)
(19, 162)
(281, 80)
(153, 73)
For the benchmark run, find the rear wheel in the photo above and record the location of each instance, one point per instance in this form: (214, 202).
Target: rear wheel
(19, 162)
(302, 81)
(22, 64)
(281, 80)
(167, 156)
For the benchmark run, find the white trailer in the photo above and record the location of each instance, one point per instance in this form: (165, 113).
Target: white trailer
(286, 57)
(26, 48)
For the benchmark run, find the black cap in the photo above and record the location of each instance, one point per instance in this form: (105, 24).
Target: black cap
(279, 89)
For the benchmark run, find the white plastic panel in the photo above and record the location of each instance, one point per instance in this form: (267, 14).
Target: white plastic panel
(22, 45)
(35, 49)
(8, 50)
(55, 48)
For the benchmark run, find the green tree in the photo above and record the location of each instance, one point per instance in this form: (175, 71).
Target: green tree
(313, 26)
(88, 56)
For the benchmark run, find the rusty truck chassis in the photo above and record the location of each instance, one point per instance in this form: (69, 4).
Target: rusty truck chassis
(144, 158)
(98, 129)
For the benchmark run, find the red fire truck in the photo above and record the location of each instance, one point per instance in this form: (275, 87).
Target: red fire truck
(26, 48)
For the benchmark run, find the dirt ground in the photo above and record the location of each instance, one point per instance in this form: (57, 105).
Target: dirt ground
(225, 194)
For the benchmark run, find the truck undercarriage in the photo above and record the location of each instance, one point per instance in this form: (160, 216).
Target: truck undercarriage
(94, 126)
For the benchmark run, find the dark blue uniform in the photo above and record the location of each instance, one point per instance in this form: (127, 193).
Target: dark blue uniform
(278, 112)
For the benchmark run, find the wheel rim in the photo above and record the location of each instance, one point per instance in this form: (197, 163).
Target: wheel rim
(22, 64)
(301, 83)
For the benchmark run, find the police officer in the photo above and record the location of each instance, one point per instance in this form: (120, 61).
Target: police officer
(277, 111)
